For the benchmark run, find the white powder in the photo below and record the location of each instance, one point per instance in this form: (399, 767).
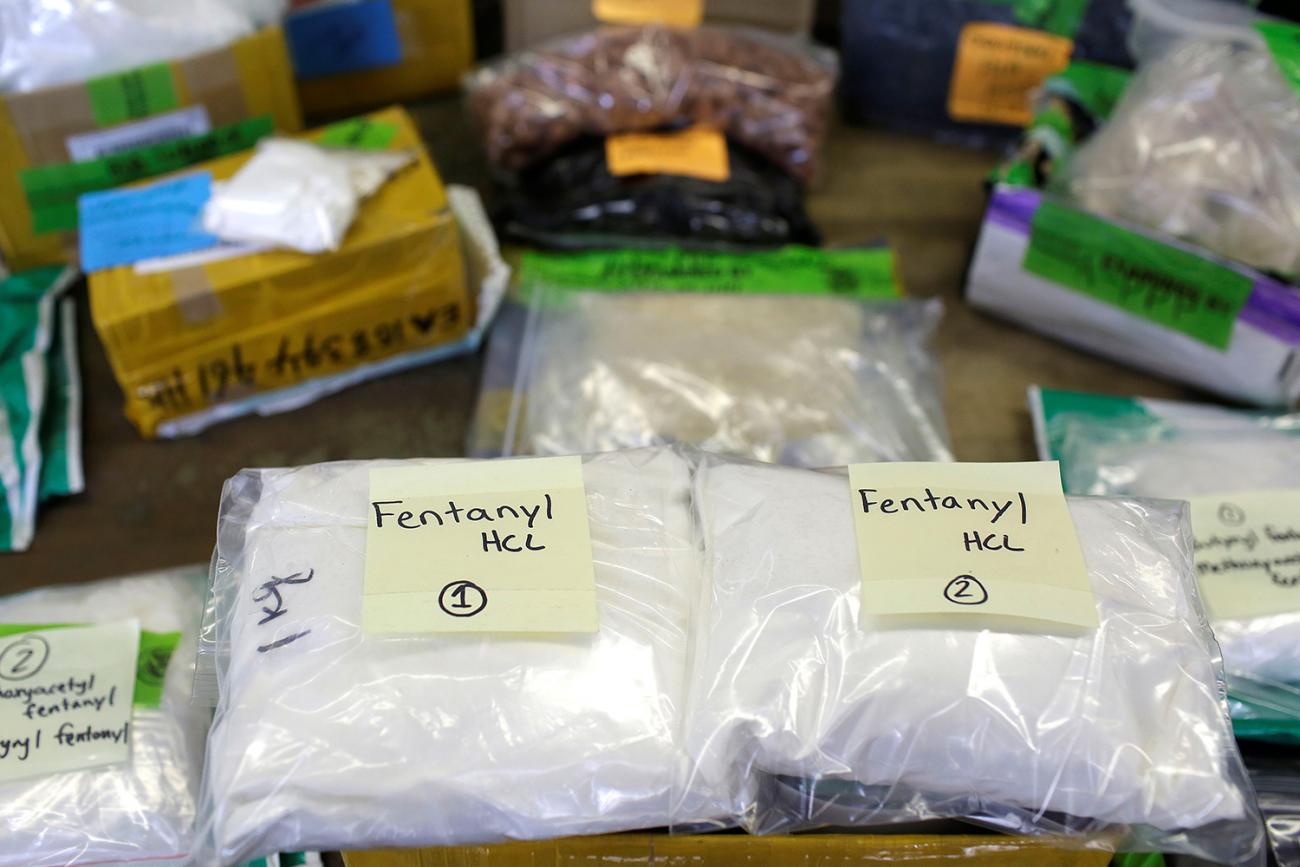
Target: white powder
(1122, 727)
(343, 740)
(1100, 461)
(1205, 146)
(140, 811)
(810, 381)
(297, 195)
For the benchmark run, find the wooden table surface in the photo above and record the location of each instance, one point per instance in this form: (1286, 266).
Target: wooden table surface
(150, 505)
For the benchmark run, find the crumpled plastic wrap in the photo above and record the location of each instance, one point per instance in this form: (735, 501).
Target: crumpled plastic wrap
(823, 718)
(142, 811)
(770, 95)
(346, 740)
(1204, 146)
(798, 379)
(572, 200)
(50, 42)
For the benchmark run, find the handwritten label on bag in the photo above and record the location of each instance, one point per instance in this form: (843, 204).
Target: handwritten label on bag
(1248, 552)
(66, 697)
(997, 69)
(481, 546)
(985, 541)
(1160, 283)
(695, 153)
(674, 13)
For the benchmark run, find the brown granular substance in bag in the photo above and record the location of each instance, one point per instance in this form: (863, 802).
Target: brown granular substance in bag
(772, 99)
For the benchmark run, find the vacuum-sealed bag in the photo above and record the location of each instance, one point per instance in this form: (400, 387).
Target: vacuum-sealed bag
(770, 95)
(812, 380)
(1224, 461)
(1205, 147)
(329, 737)
(573, 200)
(137, 811)
(825, 716)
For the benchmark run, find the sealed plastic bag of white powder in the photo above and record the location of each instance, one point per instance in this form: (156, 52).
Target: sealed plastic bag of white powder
(797, 379)
(327, 737)
(297, 194)
(1114, 446)
(143, 810)
(817, 716)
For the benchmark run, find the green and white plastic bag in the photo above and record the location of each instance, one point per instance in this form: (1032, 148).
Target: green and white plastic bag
(40, 399)
(1241, 472)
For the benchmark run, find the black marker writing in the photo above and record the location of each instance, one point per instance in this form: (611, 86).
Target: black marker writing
(271, 590)
(932, 502)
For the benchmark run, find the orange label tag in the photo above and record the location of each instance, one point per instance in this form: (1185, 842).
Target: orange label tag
(674, 13)
(997, 69)
(697, 153)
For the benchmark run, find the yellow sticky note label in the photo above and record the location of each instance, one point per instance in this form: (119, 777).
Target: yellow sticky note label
(986, 541)
(998, 68)
(1248, 552)
(674, 13)
(65, 698)
(479, 546)
(696, 153)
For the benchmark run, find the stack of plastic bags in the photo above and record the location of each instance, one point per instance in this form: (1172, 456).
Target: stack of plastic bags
(732, 681)
(40, 399)
(753, 108)
(1111, 446)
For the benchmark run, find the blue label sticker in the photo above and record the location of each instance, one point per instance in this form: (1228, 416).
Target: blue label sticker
(331, 39)
(119, 227)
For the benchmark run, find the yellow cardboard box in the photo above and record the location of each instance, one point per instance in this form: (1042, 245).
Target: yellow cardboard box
(437, 47)
(738, 850)
(188, 339)
(59, 142)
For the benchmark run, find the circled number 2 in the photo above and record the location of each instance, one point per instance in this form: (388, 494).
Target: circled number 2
(24, 657)
(966, 590)
(462, 599)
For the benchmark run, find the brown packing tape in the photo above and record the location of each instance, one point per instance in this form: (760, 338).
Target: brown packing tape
(44, 120)
(213, 80)
(194, 295)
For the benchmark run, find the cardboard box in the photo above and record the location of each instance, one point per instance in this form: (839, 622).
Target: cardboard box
(530, 22)
(183, 342)
(414, 48)
(59, 142)
(735, 850)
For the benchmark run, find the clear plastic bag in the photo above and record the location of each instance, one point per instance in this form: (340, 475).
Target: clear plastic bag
(769, 94)
(50, 42)
(341, 739)
(1195, 453)
(141, 811)
(822, 718)
(798, 379)
(1205, 147)
(298, 195)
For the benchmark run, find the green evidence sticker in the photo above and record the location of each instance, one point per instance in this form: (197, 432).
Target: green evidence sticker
(133, 94)
(858, 273)
(359, 133)
(52, 191)
(1283, 40)
(156, 649)
(1160, 283)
